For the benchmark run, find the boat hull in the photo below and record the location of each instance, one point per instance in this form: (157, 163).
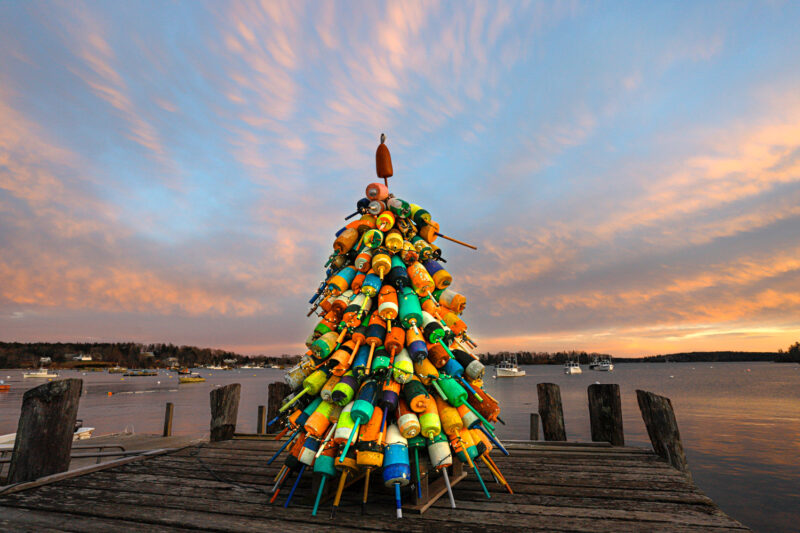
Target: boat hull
(509, 373)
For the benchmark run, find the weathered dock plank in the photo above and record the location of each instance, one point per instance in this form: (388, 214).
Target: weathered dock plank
(224, 486)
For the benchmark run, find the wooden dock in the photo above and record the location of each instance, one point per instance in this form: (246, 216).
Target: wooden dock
(224, 486)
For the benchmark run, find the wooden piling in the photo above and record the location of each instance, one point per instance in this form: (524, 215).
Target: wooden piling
(261, 423)
(276, 392)
(605, 413)
(224, 411)
(662, 427)
(551, 411)
(168, 420)
(45, 429)
(534, 426)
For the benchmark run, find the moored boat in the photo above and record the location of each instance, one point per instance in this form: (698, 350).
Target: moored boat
(40, 373)
(572, 367)
(117, 370)
(508, 369)
(193, 378)
(605, 366)
(140, 373)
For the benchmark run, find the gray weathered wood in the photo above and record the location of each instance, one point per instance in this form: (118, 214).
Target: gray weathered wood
(261, 423)
(45, 430)
(192, 488)
(168, 420)
(662, 428)
(224, 411)
(534, 426)
(276, 392)
(551, 411)
(605, 413)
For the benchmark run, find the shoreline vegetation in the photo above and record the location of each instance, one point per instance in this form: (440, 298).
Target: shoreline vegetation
(135, 355)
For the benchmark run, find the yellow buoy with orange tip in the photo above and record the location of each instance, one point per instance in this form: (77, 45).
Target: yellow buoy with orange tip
(385, 221)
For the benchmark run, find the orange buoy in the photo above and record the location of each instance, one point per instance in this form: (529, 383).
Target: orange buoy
(377, 191)
(383, 160)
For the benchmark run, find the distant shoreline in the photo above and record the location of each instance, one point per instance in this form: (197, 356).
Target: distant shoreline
(134, 355)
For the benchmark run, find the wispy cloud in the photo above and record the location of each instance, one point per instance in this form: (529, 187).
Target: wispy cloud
(632, 180)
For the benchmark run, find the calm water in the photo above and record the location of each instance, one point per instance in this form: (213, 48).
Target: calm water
(740, 422)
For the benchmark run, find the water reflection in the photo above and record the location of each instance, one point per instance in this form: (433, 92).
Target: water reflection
(740, 422)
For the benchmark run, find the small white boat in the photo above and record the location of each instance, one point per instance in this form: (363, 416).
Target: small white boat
(83, 433)
(40, 373)
(605, 366)
(7, 441)
(572, 367)
(508, 369)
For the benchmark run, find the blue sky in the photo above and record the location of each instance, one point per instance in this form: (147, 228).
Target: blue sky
(174, 172)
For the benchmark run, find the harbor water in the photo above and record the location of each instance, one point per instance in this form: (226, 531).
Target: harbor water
(739, 422)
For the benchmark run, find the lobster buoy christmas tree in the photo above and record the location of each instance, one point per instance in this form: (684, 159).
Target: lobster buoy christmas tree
(390, 372)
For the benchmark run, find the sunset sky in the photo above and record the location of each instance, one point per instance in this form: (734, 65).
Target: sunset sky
(175, 171)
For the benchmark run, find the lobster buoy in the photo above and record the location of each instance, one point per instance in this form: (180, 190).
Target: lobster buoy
(393, 241)
(327, 390)
(383, 160)
(385, 221)
(345, 241)
(403, 366)
(345, 389)
(373, 238)
(407, 420)
(377, 191)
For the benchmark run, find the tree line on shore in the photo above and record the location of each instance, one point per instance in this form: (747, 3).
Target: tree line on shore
(125, 354)
(160, 355)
